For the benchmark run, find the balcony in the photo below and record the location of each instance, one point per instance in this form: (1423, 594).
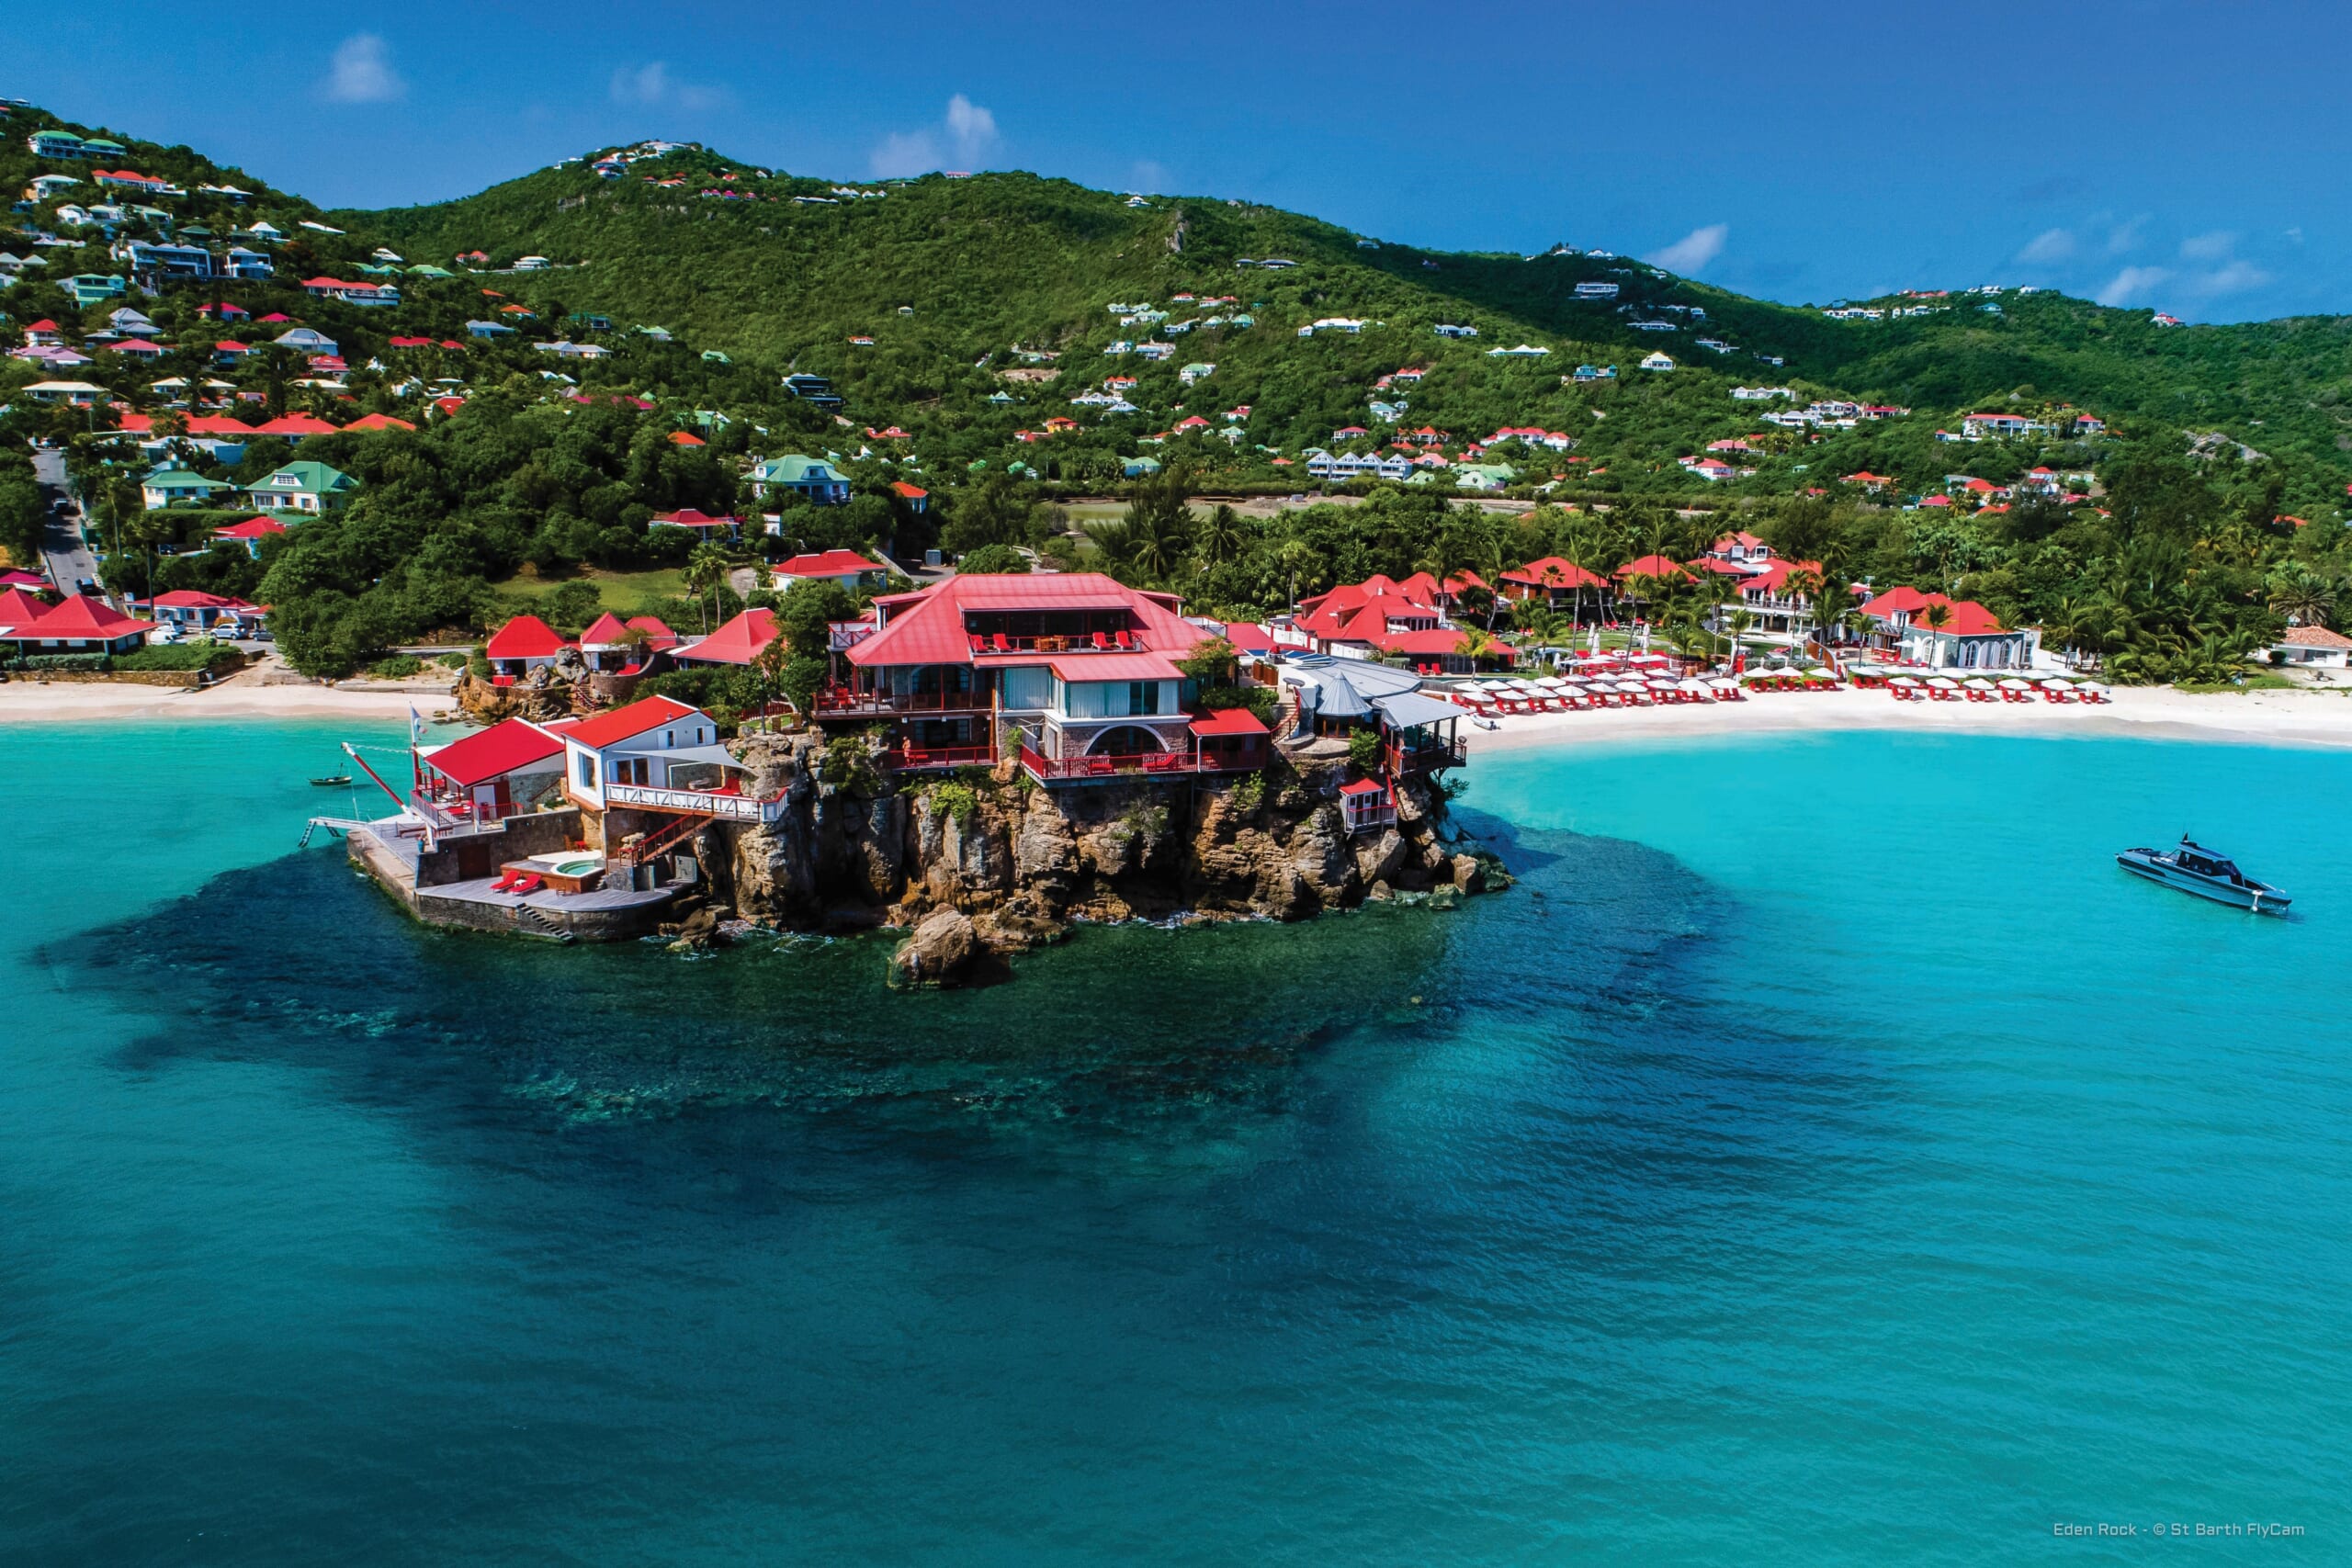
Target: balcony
(987, 643)
(1111, 765)
(1424, 757)
(847, 701)
(729, 806)
(902, 758)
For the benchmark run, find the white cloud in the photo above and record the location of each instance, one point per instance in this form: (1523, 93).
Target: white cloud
(1691, 253)
(2130, 283)
(905, 152)
(2125, 236)
(973, 128)
(650, 85)
(2296, 233)
(362, 72)
(2236, 277)
(2208, 247)
(2050, 245)
(969, 131)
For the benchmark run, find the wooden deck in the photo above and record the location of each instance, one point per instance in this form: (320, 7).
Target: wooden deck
(479, 891)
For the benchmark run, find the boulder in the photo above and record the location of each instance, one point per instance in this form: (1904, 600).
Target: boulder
(938, 952)
(1378, 859)
(1469, 877)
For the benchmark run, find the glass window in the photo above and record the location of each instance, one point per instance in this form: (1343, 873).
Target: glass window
(1143, 696)
(587, 770)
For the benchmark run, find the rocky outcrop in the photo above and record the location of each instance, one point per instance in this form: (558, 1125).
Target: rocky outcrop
(553, 690)
(1016, 865)
(939, 953)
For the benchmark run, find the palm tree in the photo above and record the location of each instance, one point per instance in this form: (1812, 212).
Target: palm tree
(706, 569)
(1295, 559)
(1218, 538)
(1804, 584)
(2304, 596)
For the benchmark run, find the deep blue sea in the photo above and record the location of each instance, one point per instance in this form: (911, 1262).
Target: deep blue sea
(1824, 1157)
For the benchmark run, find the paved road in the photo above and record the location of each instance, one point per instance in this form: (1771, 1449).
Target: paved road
(68, 558)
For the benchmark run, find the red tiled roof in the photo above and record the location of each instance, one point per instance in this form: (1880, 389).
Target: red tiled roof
(378, 422)
(295, 424)
(650, 712)
(606, 631)
(195, 599)
(929, 630)
(1658, 567)
(1249, 636)
(1553, 571)
(913, 492)
(525, 636)
(827, 563)
(20, 608)
(691, 517)
(2313, 636)
(1229, 721)
(738, 642)
(251, 528)
(686, 438)
(503, 748)
(1115, 667)
(81, 619)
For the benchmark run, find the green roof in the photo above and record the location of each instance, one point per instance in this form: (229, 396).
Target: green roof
(309, 478)
(795, 470)
(184, 479)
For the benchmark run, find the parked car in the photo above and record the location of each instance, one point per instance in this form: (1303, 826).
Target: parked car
(85, 585)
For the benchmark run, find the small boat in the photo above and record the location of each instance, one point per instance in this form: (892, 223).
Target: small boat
(332, 781)
(2195, 869)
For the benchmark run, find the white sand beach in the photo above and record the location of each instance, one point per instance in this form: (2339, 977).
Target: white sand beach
(2268, 718)
(60, 701)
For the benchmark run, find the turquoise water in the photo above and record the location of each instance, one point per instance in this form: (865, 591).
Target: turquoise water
(1826, 1157)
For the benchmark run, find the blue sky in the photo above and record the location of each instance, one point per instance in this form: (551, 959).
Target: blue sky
(2183, 157)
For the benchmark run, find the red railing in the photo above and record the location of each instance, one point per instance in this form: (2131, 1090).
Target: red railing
(836, 700)
(940, 756)
(1056, 642)
(1110, 764)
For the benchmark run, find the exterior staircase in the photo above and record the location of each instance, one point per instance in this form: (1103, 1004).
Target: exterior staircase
(530, 920)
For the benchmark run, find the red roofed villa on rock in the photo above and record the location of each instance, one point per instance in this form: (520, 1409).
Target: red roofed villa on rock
(494, 771)
(1083, 668)
(521, 646)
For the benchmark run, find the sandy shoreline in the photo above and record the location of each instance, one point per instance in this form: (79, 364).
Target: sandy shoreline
(2269, 719)
(30, 701)
(2262, 718)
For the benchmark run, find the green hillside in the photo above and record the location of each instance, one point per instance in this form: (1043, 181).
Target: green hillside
(961, 315)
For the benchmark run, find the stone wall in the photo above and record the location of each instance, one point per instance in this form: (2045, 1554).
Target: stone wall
(538, 833)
